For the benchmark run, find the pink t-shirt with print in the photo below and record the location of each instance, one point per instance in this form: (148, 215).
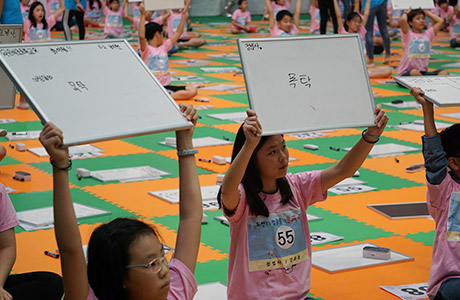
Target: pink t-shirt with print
(38, 34)
(113, 21)
(242, 18)
(270, 258)
(173, 22)
(183, 285)
(156, 59)
(8, 217)
(275, 31)
(315, 17)
(416, 51)
(454, 28)
(445, 259)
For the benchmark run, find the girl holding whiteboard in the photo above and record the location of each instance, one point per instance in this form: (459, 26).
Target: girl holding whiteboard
(283, 24)
(126, 257)
(154, 52)
(417, 43)
(270, 248)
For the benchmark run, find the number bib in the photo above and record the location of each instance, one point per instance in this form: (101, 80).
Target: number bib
(114, 20)
(176, 23)
(453, 221)
(158, 63)
(54, 6)
(420, 49)
(277, 241)
(241, 21)
(456, 29)
(39, 35)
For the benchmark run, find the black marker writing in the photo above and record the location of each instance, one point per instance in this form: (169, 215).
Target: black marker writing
(18, 51)
(252, 46)
(77, 86)
(60, 49)
(42, 78)
(303, 79)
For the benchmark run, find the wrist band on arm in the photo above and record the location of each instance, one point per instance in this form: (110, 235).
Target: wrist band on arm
(364, 133)
(67, 168)
(187, 152)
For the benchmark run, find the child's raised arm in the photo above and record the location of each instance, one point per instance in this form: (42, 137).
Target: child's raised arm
(351, 162)
(404, 23)
(452, 14)
(190, 204)
(339, 16)
(180, 28)
(73, 264)
(141, 30)
(298, 7)
(367, 10)
(59, 12)
(230, 195)
(438, 22)
(271, 16)
(428, 111)
(125, 13)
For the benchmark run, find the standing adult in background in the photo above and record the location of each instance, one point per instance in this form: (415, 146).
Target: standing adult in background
(10, 12)
(326, 7)
(74, 8)
(379, 10)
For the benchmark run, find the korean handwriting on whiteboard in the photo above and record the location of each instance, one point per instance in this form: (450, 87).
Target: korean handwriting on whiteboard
(18, 51)
(77, 86)
(109, 47)
(302, 79)
(8, 32)
(60, 49)
(42, 78)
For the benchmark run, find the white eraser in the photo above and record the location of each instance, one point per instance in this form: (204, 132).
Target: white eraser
(220, 178)
(311, 147)
(20, 147)
(356, 174)
(83, 173)
(219, 160)
(205, 219)
(170, 141)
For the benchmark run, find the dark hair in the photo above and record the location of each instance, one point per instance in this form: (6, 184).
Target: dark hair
(251, 180)
(33, 22)
(91, 3)
(241, 2)
(110, 1)
(151, 28)
(108, 256)
(414, 12)
(350, 17)
(442, 2)
(450, 139)
(280, 15)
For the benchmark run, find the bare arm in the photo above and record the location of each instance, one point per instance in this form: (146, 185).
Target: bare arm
(271, 16)
(141, 30)
(230, 195)
(298, 7)
(356, 5)
(7, 258)
(367, 9)
(166, 16)
(125, 13)
(190, 204)
(428, 111)
(73, 264)
(351, 162)
(404, 23)
(59, 12)
(438, 22)
(180, 28)
(339, 16)
(452, 14)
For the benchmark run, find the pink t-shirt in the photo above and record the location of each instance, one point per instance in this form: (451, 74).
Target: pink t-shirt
(275, 31)
(277, 8)
(38, 34)
(270, 258)
(113, 21)
(173, 22)
(315, 17)
(454, 28)
(442, 199)
(444, 14)
(24, 11)
(416, 50)
(362, 33)
(8, 217)
(242, 18)
(156, 59)
(52, 7)
(183, 285)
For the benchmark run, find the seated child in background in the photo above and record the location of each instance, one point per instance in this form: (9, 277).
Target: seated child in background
(113, 27)
(241, 17)
(93, 13)
(25, 7)
(154, 52)
(354, 24)
(37, 27)
(454, 29)
(444, 11)
(442, 163)
(417, 43)
(284, 24)
(187, 38)
(315, 18)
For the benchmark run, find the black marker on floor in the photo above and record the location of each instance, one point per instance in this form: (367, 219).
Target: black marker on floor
(204, 159)
(334, 148)
(51, 254)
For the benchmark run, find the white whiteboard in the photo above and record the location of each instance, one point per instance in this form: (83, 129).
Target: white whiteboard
(406, 4)
(92, 90)
(9, 34)
(163, 4)
(440, 90)
(301, 84)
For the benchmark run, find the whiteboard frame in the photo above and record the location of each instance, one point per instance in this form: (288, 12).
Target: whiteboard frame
(165, 4)
(44, 118)
(252, 102)
(13, 87)
(426, 4)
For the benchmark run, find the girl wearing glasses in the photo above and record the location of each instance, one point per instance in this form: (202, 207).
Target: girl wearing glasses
(126, 259)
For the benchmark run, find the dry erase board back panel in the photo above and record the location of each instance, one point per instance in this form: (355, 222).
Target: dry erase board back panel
(440, 90)
(307, 83)
(9, 34)
(163, 4)
(406, 4)
(92, 90)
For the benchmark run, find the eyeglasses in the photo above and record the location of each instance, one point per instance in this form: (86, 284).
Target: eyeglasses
(155, 265)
